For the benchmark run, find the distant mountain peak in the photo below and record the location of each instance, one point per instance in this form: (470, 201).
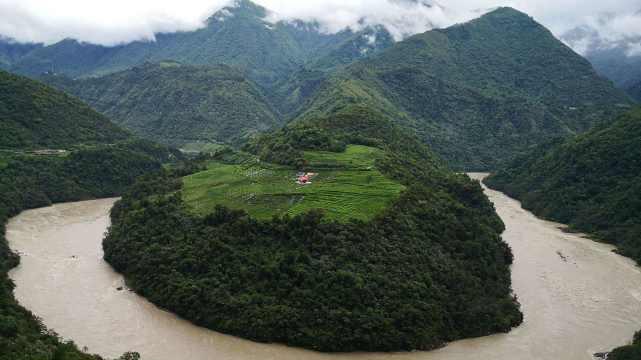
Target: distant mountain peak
(243, 8)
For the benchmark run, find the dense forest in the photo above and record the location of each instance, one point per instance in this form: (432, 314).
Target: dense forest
(28, 181)
(96, 159)
(33, 115)
(177, 104)
(430, 269)
(590, 182)
(476, 93)
(630, 352)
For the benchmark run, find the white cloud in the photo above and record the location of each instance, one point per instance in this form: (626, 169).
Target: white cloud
(120, 21)
(103, 22)
(634, 49)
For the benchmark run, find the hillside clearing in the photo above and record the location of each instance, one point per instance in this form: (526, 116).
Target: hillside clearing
(348, 186)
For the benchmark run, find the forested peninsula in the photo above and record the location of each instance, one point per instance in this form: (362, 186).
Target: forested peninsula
(427, 269)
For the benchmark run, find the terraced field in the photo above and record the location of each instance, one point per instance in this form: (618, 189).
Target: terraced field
(348, 185)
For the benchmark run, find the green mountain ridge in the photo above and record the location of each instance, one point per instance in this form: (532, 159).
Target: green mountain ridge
(177, 104)
(33, 115)
(476, 92)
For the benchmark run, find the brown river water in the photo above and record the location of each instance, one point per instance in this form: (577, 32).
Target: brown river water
(578, 297)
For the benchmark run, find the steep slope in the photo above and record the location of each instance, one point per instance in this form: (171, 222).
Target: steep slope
(35, 115)
(476, 92)
(238, 36)
(101, 161)
(291, 93)
(177, 104)
(616, 65)
(428, 268)
(360, 45)
(590, 182)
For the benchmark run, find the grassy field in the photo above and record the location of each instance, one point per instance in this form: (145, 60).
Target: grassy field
(348, 185)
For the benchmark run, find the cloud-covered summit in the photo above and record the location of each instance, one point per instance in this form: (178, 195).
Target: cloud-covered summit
(122, 21)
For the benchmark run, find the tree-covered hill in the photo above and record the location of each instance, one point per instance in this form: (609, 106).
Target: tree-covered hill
(591, 182)
(428, 268)
(177, 104)
(33, 115)
(476, 92)
(99, 160)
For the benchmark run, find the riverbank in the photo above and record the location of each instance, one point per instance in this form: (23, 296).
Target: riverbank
(572, 308)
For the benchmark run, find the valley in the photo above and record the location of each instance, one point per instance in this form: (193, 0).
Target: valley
(261, 181)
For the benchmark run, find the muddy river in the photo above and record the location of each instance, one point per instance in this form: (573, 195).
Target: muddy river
(578, 297)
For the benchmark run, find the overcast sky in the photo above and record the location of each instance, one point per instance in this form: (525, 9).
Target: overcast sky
(117, 21)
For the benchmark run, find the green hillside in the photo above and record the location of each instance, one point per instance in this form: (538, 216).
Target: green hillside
(177, 104)
(476, 92)
(413, 261)
(100, 160)
(33, 115)
(347, 186)
(590, 182)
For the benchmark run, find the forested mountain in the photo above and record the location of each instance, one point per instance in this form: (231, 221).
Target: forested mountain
(33, 115)
(177, 104)
(100, 160)
(238, 36)
(476, 92)
(590, 182)
(11, 51)
(429, 268)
